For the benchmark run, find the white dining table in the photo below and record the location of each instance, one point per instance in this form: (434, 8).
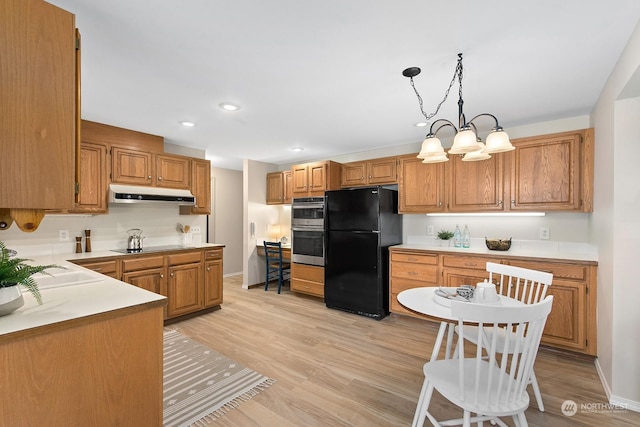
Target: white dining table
(421, 300)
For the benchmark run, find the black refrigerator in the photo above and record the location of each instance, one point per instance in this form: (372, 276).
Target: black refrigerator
(360, 225)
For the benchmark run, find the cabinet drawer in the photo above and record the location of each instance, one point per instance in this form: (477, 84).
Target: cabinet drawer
(414, 258)
(142, 263)
(307, 287)
(185, 258)
(421, 273)
(213, 254)
(477, 263)
(564, 271)
(310, 273)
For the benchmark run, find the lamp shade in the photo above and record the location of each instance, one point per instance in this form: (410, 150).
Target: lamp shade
(498, 142)
(274, 231)
(436, 159)
(477, 155)
(431, 146)
(464, 142)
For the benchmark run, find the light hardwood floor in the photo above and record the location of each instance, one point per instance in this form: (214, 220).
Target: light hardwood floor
(338, 369)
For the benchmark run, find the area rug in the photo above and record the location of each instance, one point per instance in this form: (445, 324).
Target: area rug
(200, 384)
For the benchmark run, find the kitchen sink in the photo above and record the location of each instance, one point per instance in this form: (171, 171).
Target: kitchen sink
(60, 277)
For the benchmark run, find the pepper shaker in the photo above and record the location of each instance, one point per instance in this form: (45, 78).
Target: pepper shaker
(87, 241)
(79, 244)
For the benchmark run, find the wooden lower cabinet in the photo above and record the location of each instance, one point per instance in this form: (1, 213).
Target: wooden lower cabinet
(108, 267)
(213, 277)
(307, 279)
(572, 322)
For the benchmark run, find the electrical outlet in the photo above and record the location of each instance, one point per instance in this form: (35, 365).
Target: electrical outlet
(195, 229)
(544, 233)
(429, 230)
(64, 235)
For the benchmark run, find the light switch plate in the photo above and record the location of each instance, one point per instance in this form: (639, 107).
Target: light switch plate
(64, 235)
(195, 229)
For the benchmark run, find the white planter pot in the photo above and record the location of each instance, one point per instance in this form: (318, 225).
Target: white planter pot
(10, 299)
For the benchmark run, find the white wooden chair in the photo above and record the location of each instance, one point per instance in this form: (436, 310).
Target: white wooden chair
(523, 284)
(491, 388)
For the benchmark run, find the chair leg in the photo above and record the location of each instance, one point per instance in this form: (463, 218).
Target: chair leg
(280, 281)
(423, 404)
(536, 391)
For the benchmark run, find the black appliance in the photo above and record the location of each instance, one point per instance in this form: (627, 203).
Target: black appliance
(307, 230)
(361, 224)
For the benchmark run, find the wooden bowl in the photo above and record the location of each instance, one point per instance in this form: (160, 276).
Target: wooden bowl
(498, 244)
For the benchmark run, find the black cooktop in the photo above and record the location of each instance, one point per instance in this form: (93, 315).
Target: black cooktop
(151, 249)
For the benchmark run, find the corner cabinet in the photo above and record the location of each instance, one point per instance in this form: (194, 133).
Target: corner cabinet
(40, 78)
(572, 322)
(279, 188)
(421, 186)
(313, 179)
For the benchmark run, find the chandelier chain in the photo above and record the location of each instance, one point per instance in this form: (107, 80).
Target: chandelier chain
(457, 73)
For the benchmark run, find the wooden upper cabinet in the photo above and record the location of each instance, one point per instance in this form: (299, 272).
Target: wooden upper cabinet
(131, 166)
(173, 171)
(475, 186)
(275, 188)
(553, 172)
(137, 167)
(38, 124)
(92, 194)
(200, 187)
(288, 193)
(421, 186)
(370, 172)
(313, 179)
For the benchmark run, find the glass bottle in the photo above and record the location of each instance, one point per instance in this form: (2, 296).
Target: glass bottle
(466, 237)
(457, 238)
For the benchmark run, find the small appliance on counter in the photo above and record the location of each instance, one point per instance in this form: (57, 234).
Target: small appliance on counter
(361, 224)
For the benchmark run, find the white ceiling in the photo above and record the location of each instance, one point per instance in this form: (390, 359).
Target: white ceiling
(326, 75)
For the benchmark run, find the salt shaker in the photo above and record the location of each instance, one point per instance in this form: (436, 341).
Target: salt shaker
(87, 241)
(79, 244)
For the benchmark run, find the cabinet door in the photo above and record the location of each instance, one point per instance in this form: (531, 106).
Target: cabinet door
(275, 188)
(475, 186)
(172, 172)
(421, 186)
(153, 280)
(382, 171)
(131, 166)
(299, 180)
(546, 173)
(288, 193)
(92, 196)
(566, 324)
(317, 177)
(213, 283)
(201, 186)
(353, 174)
(38, 104)
(184, 289)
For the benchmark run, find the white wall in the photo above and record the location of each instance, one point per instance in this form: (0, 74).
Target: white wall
(225, 221)
(615, 228)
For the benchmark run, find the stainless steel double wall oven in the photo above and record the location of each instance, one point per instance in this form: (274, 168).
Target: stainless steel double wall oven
(307, 230)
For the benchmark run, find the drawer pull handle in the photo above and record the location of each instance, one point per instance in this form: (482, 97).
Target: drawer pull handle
(412, 259)
(413, 273)
(471, 264)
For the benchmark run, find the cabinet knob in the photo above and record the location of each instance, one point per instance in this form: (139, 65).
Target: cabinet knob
(499, 202)
(208, 268)
(149, 177)
(159, 178)
(369, 176)
(513, 202)
(162, 276)
(439, 203)
(171, 275)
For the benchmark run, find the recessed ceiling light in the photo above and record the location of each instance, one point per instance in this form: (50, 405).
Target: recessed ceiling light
(188, 124)
(297, 149)
(229, 107)
(421, 124)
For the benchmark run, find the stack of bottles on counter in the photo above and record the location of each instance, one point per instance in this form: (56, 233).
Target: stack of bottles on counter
(462, 240)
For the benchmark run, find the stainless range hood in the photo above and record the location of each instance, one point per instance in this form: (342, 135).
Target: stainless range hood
(151, 195)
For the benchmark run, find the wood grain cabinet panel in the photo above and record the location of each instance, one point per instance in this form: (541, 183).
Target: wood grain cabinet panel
(200, 188)
(313, 179)
(420, 186)
(131, 166)
(307, 279)
(475, 186)
(410, 269)
(370, 172)
(111, 267)
(92, 194)
(279, 190)
(172, 171)
(184, 289)
(39, 81)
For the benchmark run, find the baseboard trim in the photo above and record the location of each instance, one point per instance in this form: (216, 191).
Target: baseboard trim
(618, 401)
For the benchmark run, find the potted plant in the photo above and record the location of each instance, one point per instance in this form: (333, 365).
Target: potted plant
(445, 236)
(14, 272)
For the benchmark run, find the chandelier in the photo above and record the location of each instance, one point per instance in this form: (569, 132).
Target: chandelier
(466, 141)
